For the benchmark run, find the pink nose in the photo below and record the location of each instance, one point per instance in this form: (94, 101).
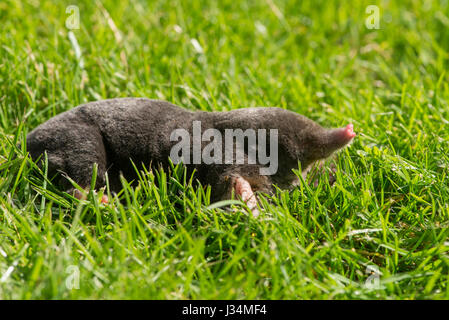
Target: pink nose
(349, 131)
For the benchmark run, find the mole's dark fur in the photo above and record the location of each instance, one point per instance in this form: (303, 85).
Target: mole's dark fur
(111, 132)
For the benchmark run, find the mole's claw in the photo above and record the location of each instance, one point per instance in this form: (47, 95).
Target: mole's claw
(104, 199)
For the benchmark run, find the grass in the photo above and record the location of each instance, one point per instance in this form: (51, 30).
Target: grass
(387, 211)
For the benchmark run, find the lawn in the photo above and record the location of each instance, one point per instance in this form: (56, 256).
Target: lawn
(379, 232)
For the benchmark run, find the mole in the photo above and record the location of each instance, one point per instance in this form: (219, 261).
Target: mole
(260, 148)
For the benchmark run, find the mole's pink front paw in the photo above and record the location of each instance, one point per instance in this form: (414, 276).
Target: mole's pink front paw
(244, 191)
(104, 199)
(82, 196)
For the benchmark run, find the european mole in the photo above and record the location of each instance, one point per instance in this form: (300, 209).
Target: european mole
(113, 132)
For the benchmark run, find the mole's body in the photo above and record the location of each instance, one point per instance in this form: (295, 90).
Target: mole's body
(111, 132)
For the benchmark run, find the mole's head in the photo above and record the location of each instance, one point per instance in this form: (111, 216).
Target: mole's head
(307, 142)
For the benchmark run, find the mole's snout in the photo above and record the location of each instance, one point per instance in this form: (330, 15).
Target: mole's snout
(344, 135)
(340, 137)
(348, 132)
